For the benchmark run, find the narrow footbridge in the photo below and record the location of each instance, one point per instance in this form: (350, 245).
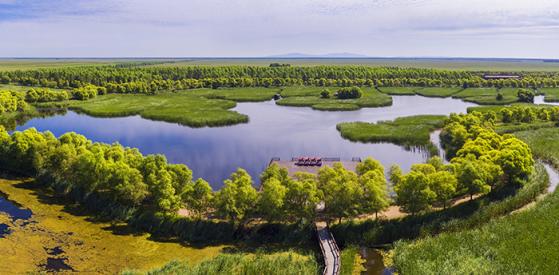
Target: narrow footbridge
(329, 248)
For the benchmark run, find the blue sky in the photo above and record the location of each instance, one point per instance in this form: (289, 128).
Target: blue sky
(238, 28)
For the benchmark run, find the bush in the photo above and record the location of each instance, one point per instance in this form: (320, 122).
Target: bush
(349, 93)
(45, 95)
(525, 95)
(325, 93)
(499, 96)
(11, 102)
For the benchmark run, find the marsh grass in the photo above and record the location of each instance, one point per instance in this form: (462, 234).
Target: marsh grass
(310, 97)
(90, 245)
(488, 96)
(182, 108)
(413, 130)
(551, 94)
(248, 264)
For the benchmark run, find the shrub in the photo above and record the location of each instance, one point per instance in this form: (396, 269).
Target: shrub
(349, 93)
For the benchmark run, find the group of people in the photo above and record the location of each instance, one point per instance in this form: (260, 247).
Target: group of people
(308, 161)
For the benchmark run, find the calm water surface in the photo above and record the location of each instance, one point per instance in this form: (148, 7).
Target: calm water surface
(273, 131)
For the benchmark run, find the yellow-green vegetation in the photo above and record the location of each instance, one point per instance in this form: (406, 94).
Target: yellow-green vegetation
(183, 108)
(522, 243)
(351, 261)
(88, 245)
(488, 96)
(241, 263)
(310, 97)
(413, 130)
(551, 94)
(520, 116)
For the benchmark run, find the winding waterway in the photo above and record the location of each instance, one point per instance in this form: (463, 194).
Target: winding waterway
(273, 131)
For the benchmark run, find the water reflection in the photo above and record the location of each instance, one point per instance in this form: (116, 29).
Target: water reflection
(540, 99)
(273, 131)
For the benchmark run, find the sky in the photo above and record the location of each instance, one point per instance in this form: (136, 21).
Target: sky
(256, 28)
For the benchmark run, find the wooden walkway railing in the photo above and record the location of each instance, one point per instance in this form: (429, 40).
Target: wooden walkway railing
(330, 250)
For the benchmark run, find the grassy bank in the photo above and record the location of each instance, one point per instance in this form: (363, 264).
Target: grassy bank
(310, 97)
(88, 245)
(523, 243)
(247, 264)
(551, 94)
(488, 96)
(544, 143)
(412, 130)
(429, 92)
(467, 215)
(182, 108)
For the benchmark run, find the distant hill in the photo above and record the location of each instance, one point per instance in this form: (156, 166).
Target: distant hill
(328, 55)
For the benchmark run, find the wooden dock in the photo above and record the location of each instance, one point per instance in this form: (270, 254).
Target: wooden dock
(292, 167)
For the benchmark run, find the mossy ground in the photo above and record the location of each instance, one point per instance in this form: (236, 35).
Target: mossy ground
(88, 245)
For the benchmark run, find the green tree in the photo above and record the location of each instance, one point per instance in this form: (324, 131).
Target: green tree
(414, 193)
(199, 199)
(272, 200)
(237, 199)
(444, 184)
(375, 193)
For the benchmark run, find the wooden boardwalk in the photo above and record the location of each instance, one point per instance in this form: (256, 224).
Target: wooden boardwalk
(329, 248)
(293, 168)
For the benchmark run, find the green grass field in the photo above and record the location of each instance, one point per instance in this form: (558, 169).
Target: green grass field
(412, 130)
(551, 94)
(236, 94)
(521, 243)
(310, 97)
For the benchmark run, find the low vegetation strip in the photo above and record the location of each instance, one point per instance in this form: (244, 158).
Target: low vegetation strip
(428, 91)
(245, 264)
(523, 243)
(412, 130)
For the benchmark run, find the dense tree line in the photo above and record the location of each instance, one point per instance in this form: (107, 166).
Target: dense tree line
(126, 181)
(11, 102)
(138, 79)
(525, 114)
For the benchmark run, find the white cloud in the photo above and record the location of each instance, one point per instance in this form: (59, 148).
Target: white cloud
(255, 28)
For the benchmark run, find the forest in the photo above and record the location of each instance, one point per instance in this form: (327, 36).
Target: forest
(146, 79)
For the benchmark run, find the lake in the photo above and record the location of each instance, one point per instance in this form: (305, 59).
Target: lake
(273, 131)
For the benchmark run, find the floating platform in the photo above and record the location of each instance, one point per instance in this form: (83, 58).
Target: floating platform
(292, 166)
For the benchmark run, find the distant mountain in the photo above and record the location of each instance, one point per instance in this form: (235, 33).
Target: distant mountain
(328, 55)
